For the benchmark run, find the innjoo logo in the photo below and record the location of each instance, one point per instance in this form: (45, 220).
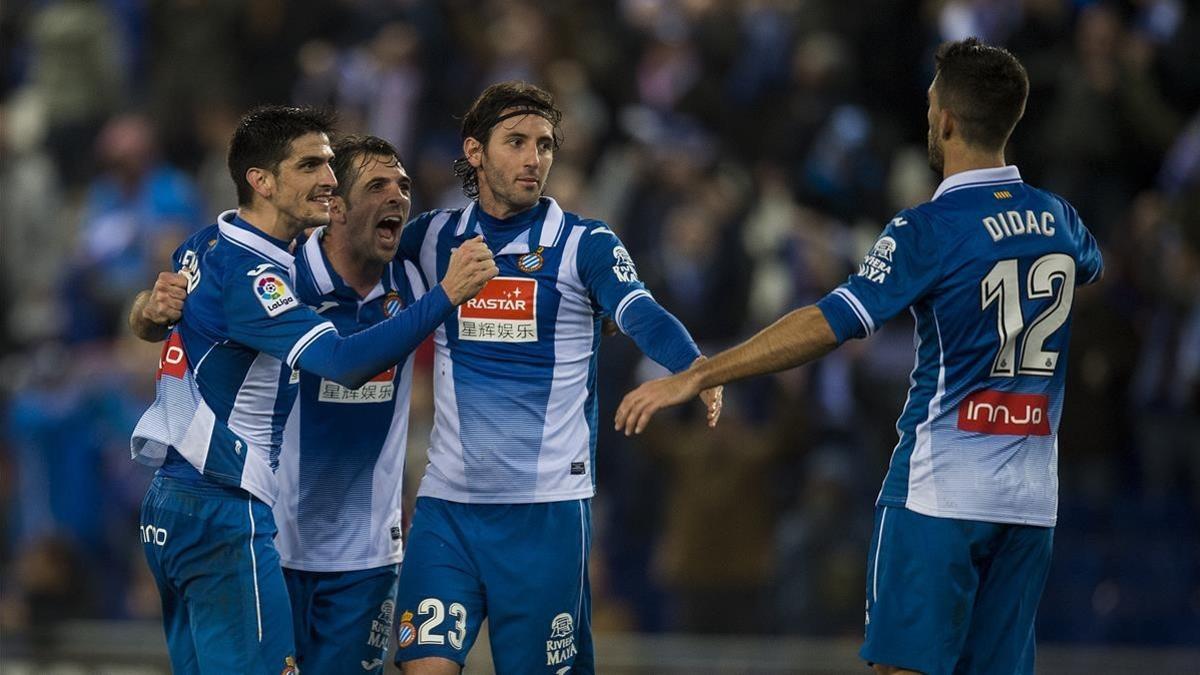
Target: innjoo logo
(999, 412)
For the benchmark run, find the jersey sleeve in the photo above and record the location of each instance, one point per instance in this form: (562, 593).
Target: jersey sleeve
(264, 313)
(608, 272)
(902, 265)
(1089, 263)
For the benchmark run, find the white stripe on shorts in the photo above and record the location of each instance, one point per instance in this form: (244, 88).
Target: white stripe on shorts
(254, 567)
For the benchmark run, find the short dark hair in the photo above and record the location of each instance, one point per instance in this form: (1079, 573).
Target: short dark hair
(264, 138)
(350, 155)
(984, 87)
(488, 110)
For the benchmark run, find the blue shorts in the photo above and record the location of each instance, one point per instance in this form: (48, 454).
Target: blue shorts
(343, 620)
(225, 605)
(953, 596)
(523, 566)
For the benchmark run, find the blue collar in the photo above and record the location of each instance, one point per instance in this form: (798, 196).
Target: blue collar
(543, 224)
(978, 178)
(327, 279)
(242, 233)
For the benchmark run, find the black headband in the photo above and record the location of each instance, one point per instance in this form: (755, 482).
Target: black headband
(518, 112)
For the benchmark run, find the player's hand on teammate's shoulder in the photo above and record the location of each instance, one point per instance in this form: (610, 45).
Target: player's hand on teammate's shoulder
(471, 267)
(165, 304)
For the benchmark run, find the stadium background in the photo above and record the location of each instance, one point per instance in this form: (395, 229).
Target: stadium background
(747, 152)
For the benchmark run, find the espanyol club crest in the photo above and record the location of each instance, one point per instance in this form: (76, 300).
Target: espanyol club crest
(392, 304)
(406, 632)
(530, 262)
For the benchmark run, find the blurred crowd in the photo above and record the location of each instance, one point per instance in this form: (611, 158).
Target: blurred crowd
(747, 151)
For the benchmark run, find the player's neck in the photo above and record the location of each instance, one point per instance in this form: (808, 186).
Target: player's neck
(270, 221)
(968, 159)
(498, 209)
(360, 274)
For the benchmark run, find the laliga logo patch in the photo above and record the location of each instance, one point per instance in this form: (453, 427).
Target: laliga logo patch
(274, 294)
(406, 632)
(269, 288)
(531, 262)
(392, 304)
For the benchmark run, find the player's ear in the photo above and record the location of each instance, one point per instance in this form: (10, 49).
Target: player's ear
(337, 209)
(947, 124)
(473, 151)
(262, 181)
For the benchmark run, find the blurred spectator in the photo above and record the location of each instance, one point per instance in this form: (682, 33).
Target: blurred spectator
(76, 78)
(135, 213)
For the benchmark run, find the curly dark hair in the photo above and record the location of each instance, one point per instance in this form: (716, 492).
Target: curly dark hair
(350, 156)
(497, 103)
(264, 138)
(985, 87)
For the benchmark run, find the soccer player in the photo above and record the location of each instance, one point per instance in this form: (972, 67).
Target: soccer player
(341, 471)
(224, 391)
(966, 516)
(502, 526)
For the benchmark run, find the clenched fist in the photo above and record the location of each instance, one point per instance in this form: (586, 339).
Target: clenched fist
(165, 304)
(471, 267)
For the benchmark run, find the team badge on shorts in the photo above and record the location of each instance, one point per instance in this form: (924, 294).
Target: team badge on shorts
(406, 632)
(531, 262)
(289, 666)
(392, 304)
(561, 645)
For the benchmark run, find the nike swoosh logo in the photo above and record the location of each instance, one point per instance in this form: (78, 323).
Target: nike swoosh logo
(375, 663)
(328, 304)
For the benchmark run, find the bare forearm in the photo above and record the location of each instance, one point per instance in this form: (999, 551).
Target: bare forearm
(142, 326)
(795, 339)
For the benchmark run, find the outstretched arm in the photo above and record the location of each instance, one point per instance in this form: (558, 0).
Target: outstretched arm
(799, 337)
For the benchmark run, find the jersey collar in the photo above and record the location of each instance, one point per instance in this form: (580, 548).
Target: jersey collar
(546, 232)
(247, 236)
(978, 178)
(326, 277)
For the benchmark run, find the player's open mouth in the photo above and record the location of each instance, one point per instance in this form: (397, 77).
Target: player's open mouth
(388, 230)
(323, 200)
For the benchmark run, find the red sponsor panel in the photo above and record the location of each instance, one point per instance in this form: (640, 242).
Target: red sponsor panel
(173, 360)
(502, 298)
(385, 376)
(999, 412)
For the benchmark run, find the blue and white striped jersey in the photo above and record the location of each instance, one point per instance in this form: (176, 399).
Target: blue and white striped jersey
(341, 472)
(515, 367)
(224, 389)
(988, 269)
